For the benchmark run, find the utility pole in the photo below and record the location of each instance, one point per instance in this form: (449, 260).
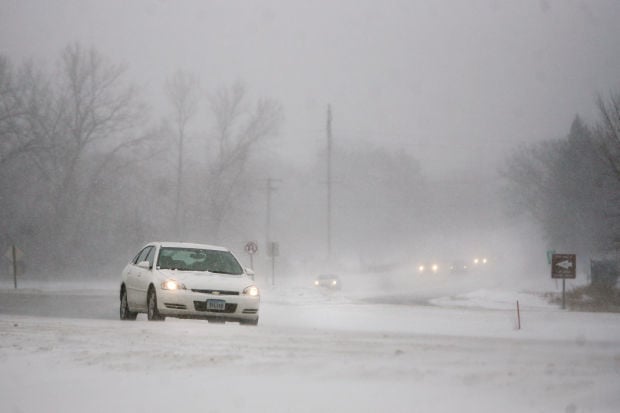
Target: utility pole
(270, 189)
(179, 234)
(329, 183)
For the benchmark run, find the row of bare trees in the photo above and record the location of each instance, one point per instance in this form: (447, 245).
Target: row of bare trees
(86, 174)
(571, 186)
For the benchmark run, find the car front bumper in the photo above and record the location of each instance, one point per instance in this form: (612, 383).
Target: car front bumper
(206, 305)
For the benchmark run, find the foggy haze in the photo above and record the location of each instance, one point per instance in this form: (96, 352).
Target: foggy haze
(396, 177)
(452, 86)
(450, 81)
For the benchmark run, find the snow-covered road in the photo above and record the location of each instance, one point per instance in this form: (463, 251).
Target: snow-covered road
(311, 352)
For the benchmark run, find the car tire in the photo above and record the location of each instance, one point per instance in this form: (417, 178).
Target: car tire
(152, 312)
(249, 322)
(125, 314)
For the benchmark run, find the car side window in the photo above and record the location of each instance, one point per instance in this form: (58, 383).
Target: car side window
(134, 261)
(142, 255)
(150, 256)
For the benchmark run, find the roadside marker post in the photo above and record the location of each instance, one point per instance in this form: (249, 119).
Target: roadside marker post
(14, 255)
(14, 259)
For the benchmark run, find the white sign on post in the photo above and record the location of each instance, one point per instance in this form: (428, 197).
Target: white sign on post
(251, 248)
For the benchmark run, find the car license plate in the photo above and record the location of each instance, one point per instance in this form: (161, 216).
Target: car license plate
(216, 305)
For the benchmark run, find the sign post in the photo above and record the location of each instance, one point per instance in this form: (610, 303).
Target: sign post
(14, 254)
(563, 266)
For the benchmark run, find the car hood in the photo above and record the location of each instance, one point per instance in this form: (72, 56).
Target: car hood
(207, 280)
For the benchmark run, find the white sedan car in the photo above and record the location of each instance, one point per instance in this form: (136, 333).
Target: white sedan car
(188, 281)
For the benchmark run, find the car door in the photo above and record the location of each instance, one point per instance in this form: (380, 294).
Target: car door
(138, 279)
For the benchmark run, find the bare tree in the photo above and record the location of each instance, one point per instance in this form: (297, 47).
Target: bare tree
(607, 139)
(27, 121)
(239, 128)
(566, 188)
(183, 92)
(88, 117)
(80, 137)
(607, 132)
(15, 137)
(527, 174)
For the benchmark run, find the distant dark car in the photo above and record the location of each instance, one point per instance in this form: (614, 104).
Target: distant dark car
(459, 266)
(328, 281)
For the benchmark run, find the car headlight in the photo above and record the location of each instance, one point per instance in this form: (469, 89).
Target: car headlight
(334, 282)
(171, 284)
(421, 268)
(252, 291)
(435, 267)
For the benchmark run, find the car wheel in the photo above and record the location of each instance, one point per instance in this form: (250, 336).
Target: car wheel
(124, 310)
(249, 322)
(152, 311)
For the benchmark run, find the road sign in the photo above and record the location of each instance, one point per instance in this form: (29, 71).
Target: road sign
(274, 249)
(251, 248)
(563, 266)
(14, 251)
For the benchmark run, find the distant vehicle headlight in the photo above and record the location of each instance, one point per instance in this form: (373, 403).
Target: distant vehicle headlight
(435, 267)
(484, 260)
(172, 285)
(252, 291)
(334, 282)
(421, 268)
(316, 282)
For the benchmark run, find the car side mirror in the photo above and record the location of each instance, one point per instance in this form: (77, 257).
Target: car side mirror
(249, 272)
(144, 264)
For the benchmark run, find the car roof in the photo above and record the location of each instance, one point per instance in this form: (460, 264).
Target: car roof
(173, 244)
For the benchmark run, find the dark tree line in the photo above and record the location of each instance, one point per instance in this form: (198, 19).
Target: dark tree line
(86, 174)
(571, 186)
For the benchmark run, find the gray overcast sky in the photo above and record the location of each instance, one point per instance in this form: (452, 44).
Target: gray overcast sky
(452, 81)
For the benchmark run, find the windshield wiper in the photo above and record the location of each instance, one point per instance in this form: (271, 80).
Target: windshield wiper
(222, 272)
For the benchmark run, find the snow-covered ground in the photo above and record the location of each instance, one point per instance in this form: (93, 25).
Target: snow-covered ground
(422, 348)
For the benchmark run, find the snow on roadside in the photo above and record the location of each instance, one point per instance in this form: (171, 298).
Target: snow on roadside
(494, 299)
(315, 352)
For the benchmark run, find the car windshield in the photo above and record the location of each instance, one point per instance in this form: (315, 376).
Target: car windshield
(194, 259)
